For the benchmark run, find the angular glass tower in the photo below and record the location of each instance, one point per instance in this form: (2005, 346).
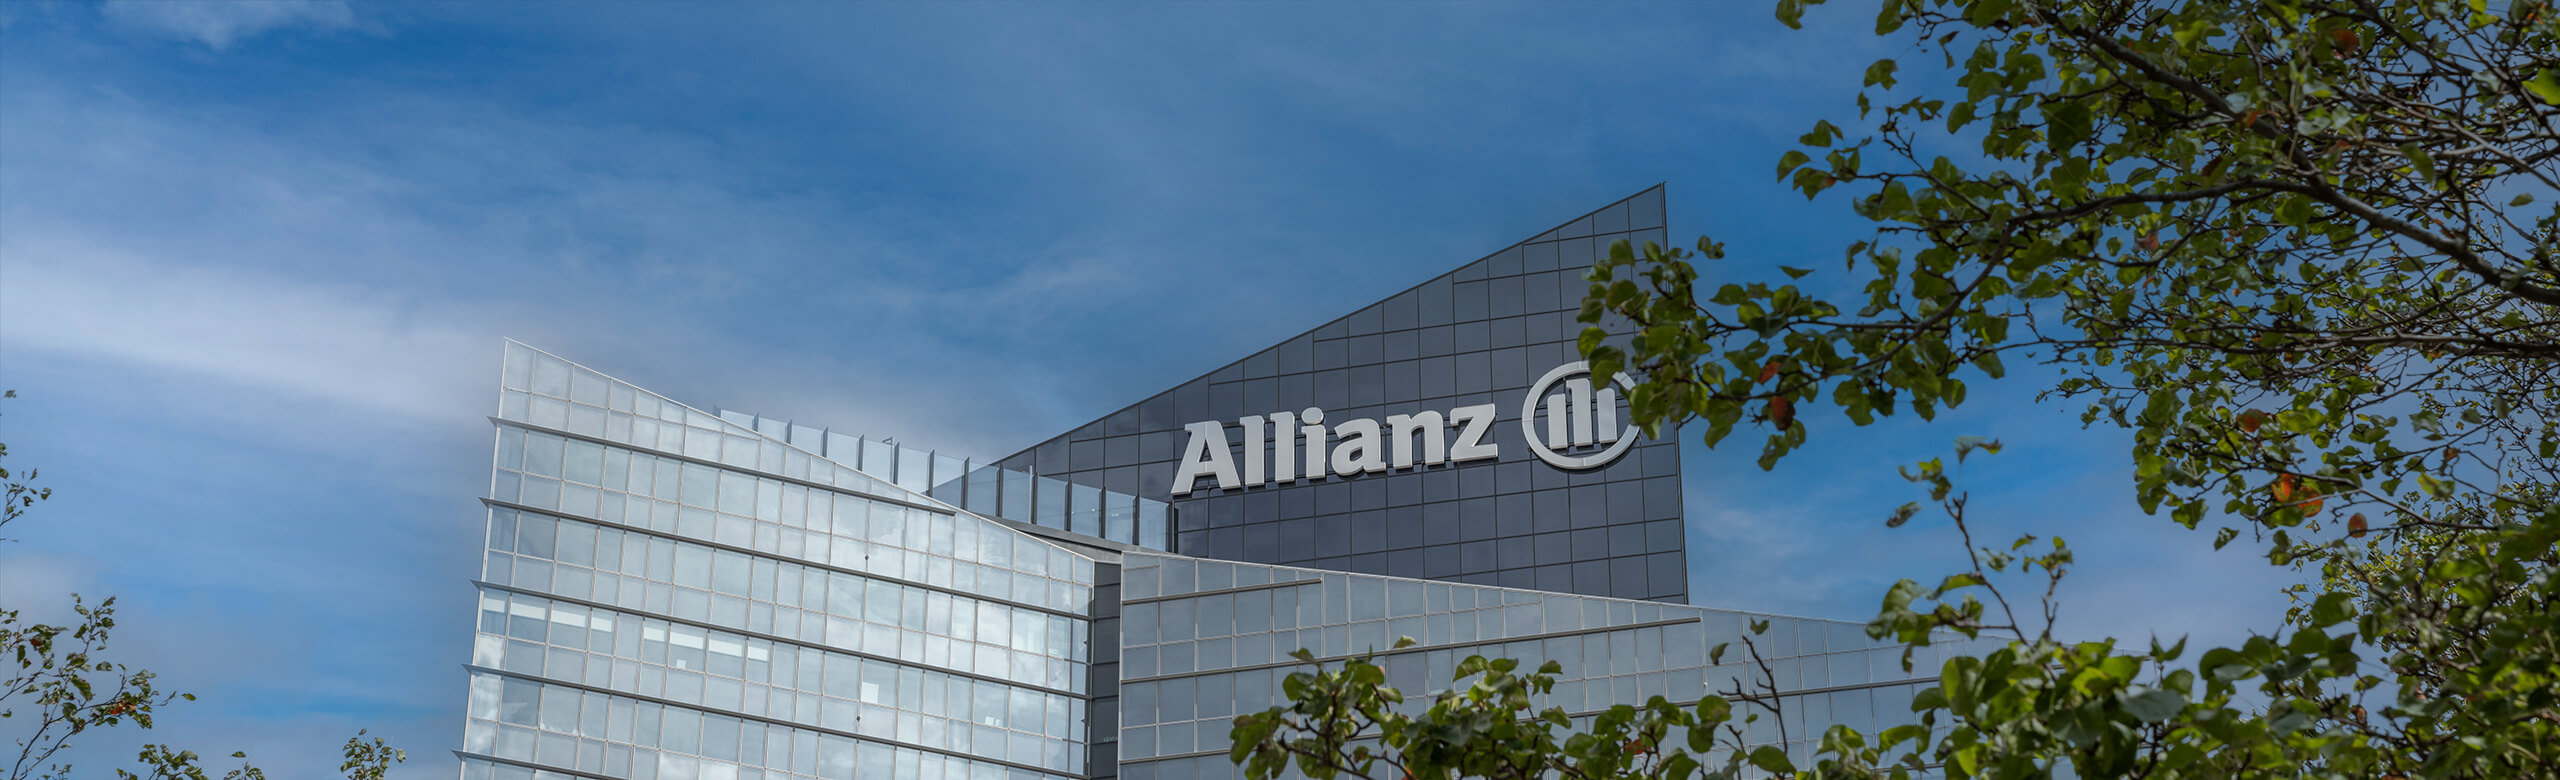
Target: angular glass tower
(1203, 641)
(1483, 334)
(671, 594)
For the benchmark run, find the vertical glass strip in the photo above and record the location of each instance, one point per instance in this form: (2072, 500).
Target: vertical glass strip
(1016, 505)
(1153, 518)
(1120, 517)
(915, 469)
(982, 493)
(1051, 500)
(1084, 514)
(948, 478)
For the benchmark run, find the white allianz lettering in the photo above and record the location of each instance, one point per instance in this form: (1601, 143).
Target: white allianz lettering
(1358, 452)
(1581, 418)
(1471, 445)
(1284, 443)
(1360, 446)
(1313, 419)
(1253, 448)
(1206, 456)
(1403, 428)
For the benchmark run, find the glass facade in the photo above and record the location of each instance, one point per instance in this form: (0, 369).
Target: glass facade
(670, 594)
(981, 488)
(1203, 641)
(1481, 334)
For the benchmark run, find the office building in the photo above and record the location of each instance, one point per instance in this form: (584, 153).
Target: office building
(678, 594)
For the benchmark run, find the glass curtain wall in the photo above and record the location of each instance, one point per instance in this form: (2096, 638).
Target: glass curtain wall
(982, 488)
(671, 596)
(1203, 641)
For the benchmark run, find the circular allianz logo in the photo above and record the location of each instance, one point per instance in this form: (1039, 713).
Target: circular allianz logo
(1564, 418)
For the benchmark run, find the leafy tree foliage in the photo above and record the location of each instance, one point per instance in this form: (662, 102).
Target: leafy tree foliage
(1346, 722)
(66, 688)
(2305, 251)
(18, 492)
(65, 685)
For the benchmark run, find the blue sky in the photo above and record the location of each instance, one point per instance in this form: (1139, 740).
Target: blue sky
(256, 260)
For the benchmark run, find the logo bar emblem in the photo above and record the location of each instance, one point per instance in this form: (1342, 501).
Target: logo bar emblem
(1576, 418)
(1579, 418)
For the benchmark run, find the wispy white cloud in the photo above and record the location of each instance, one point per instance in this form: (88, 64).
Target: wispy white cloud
(963, 234)
(23, 577)
(362, 348)
(220, 23)
(376, 271)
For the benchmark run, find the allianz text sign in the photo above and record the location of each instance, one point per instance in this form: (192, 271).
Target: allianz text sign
(1564, 420)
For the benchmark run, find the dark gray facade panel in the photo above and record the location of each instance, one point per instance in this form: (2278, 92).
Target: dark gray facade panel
(1480, 334)
(1103, 674)
(1202, 641)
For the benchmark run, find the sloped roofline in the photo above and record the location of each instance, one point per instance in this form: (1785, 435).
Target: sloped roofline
(1545, 235)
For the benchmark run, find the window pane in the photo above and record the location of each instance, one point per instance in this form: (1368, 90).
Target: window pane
(1152, 520)
(1119, 518)
(700, 484)
(542, 454)
(1052, 503)
(586, 463)
(737, 493)
(1017, 497)
(693, 566)
(729, 573)
(1084, 514)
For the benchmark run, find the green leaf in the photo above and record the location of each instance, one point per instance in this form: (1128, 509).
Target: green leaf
(2331, 609)
(2068, 123)
(2188, 33)
(1982, 13)
(2154, 705)
(1822, 135)
(1590, 339)
(1791, 14)
(2545, 84)
(1957, 581)
(1793, 159)
(2424, 163)
(1772, 758)
(1794, 272)
(2521, 199)
(2295, 210)
(1882, 71)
